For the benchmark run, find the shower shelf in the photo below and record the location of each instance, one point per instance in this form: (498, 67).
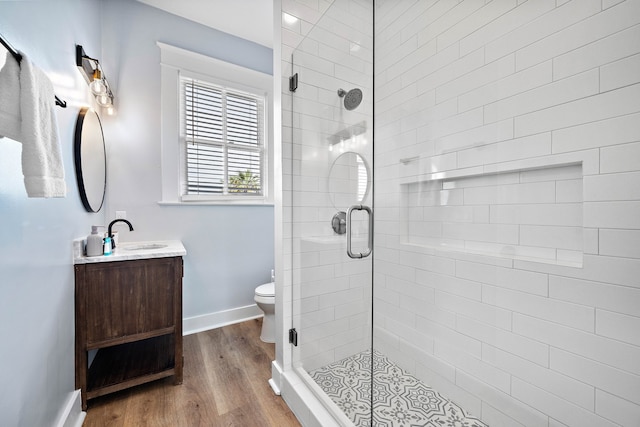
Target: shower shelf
(529, 210)
(411, 172)
(433, 249)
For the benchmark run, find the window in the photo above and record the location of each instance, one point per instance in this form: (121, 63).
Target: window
(216, 133)
(223, 132)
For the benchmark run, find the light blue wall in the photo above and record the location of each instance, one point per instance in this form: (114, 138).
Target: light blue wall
(229, 248)
(36, 272)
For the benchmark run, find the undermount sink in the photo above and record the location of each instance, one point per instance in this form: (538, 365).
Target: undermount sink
(143, 247)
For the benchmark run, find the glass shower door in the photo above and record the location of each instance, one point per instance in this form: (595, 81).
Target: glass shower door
(331, 215)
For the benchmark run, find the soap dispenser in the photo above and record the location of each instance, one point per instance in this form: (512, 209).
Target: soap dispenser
(94, 242)
(107, 246)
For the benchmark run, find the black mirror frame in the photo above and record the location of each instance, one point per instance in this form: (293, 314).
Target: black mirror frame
(77, 156)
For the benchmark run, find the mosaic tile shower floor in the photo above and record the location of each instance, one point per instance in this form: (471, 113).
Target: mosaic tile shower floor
(400, 399)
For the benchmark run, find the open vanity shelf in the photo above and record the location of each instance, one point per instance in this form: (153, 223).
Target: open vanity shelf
(127, 365)
(129, 315)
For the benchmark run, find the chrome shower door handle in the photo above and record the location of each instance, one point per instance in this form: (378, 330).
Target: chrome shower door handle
(370, 240)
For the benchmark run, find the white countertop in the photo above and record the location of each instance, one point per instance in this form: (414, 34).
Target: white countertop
(126, 251)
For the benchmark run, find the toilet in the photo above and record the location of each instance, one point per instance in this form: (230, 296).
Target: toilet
(265, 298)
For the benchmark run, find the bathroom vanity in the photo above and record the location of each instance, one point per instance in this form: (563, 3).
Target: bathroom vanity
(128, 317)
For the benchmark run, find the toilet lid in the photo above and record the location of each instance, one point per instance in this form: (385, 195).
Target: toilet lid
(266, 290)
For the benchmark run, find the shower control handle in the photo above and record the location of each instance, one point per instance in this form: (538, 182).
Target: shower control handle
(370, 240)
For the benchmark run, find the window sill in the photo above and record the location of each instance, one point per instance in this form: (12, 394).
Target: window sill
(219, 203)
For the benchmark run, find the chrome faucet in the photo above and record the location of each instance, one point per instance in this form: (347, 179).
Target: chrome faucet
(110, 234)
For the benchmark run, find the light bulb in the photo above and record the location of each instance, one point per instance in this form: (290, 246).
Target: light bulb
(97, 86)
(110, 110)
(103, 100)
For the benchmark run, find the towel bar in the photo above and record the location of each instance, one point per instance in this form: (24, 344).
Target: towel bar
(18, 57)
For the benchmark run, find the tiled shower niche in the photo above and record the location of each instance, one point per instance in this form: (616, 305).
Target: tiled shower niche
(529, 214)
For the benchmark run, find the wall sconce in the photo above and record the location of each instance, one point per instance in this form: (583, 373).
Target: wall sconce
(94, 76)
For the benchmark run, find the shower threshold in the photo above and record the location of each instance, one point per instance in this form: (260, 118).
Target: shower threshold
(399, 399)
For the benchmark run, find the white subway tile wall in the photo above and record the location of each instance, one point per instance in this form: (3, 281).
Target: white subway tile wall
(536, 314)
(507, 209)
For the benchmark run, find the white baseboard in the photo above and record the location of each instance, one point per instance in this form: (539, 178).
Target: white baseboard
(71, 414)
(205, 322)
(276, 378)
(274, 387)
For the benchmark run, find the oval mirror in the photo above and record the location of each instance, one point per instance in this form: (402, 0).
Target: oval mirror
(90, 160)
(348, 180)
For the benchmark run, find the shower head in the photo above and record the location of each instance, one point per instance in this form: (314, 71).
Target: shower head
(352, 99)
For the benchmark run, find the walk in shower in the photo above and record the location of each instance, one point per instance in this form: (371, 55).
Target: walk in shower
(454, 234)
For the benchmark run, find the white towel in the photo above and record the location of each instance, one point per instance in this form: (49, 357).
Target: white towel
(10, 118)
(42, 164)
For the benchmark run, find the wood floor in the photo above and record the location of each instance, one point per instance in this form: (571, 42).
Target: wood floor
(225, 384)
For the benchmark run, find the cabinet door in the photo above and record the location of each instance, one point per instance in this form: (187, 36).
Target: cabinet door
(129, 297)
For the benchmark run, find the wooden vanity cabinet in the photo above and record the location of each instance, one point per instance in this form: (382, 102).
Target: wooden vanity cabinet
(130, 312)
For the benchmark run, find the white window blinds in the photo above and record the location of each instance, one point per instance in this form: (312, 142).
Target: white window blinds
(224, 140)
